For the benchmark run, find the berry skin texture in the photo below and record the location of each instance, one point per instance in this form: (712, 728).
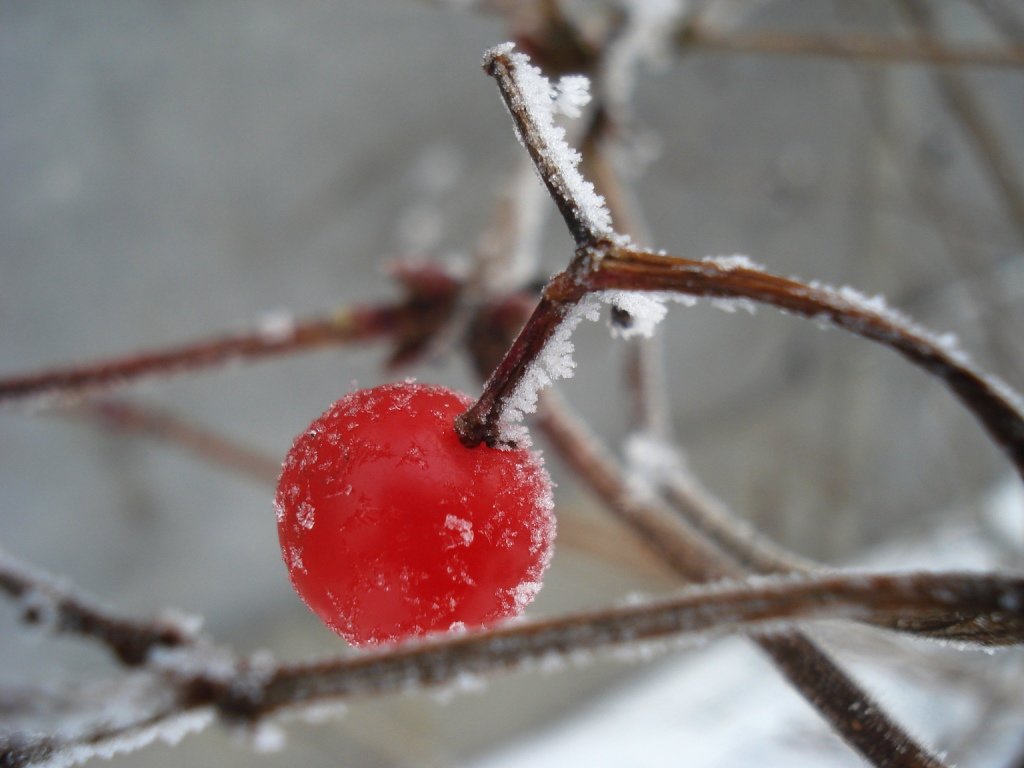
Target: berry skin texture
(392, 529)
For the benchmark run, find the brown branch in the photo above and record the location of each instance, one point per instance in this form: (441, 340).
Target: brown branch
(928, 50)
(351, 326)
(990, 402)
(169, 724)
(719, 609)
(543, 142)
(166, 427)
(482, 421)
(431, 296)
(58, 609)
(623, 268)
(821, 681)
(248, 692)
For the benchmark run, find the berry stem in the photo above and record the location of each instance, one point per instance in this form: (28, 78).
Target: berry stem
(480, 423)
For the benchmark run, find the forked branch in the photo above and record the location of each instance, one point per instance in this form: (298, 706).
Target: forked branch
(605, 261)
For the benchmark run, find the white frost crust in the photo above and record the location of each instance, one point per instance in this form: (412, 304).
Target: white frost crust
(646, 309)
(734, 261)
(171, 731)
(543, 101)
(555, 362)
(946, 342)
(277, 325)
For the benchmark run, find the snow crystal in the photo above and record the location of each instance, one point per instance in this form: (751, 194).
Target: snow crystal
(170, 730)
(316, 714)
(572, 94)
(306, 515)
(542, 102)
(295, 559)
(735, 261)
(463, 529)
(555, 362)
(876, 303)
(731, 305)
(195, 660)
(461, 682)
(645, 309)
(265, 737)
(523, 594)
(277, 325)
(188, 624)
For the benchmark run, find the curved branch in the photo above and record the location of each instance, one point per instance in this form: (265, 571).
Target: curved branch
(991, 401)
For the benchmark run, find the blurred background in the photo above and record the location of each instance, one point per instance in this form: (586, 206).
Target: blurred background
(172, 170)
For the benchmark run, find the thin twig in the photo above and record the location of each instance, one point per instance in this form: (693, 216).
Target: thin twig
(248, 692)
(59, 609)
(166, 427)
(518, 81)
(992, 154)
(722, 608)
(346, 327)
(169, 724)
(928, 50)
(843, 704)
(991, 402)
(411, 323)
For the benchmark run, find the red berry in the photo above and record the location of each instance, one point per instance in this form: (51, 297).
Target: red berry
(391, 528)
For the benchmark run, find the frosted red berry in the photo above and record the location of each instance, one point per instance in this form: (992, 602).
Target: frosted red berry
(391, 528)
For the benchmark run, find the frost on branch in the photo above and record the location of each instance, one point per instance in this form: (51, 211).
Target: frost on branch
(534, 102)
(554, 362)
(947, 343)
(646, 38)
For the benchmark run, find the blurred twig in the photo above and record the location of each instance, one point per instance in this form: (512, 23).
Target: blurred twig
(860, 47)
(959, 98)
(410, 323)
